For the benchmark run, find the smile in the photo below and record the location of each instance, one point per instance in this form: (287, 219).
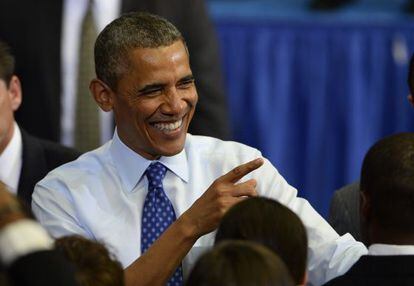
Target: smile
(169, 127)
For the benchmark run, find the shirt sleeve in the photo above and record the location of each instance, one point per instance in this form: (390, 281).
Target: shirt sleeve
(21, 238)
(329, 255)
(52, 207)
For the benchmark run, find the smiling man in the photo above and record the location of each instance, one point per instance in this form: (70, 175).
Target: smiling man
(156, 193)
(159, 94)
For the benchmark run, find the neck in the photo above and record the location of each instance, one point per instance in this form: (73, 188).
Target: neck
(391, 236)
(6, 138)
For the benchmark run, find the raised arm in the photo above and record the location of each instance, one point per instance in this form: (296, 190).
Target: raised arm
(165, 255)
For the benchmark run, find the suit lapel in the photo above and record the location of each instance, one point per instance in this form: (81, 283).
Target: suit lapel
(33, 166)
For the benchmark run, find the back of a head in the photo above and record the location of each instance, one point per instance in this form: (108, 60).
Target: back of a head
(270, 223)
(123, 35)
(94, 264)
(6, 63)
(411, 75)
(239, 263)
(387, 178)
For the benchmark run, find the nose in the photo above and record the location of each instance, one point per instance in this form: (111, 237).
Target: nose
(174, 103)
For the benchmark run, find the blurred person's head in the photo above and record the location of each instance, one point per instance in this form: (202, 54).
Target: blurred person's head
(410, 80)
(241, 263)
(10, 95)
(16, 210)
(95, 265)
(18, 204)
(271, 224)
(387, 191)
(144, 77)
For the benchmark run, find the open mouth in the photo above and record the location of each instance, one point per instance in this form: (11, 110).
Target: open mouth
(168, 127)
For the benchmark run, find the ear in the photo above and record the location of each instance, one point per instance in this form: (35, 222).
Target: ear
(410, 98)
(364, 205)
(103, 94)
(15, 92)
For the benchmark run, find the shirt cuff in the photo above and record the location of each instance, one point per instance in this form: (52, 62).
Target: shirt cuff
(21, 238)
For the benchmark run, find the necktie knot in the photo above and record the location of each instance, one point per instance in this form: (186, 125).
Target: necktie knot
(155, 174)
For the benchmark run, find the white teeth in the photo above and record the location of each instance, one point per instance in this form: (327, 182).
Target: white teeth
(168, 127)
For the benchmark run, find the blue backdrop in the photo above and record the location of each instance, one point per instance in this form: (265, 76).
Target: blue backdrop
(313, 94)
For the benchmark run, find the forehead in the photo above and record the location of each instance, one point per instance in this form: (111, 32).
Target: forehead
(147, 63)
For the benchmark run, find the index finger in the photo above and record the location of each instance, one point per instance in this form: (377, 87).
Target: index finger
(242, 170)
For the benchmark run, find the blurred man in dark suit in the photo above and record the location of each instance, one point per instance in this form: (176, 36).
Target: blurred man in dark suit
(344, 210)
(24, 159)
(387, 211)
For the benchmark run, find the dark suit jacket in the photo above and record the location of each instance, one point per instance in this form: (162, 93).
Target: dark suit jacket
(33, 29)
(344, 211)
(42, 268)
(39, 157)
(378, 270)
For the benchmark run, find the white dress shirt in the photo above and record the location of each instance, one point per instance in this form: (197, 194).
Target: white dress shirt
(390, 249)
(104, 11)
(101, 195)
(11, 161)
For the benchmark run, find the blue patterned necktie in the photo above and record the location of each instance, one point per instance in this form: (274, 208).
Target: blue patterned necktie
(158, 213)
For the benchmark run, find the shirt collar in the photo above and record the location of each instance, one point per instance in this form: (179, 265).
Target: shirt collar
(389, 249)
(131, 166)
(11, 160)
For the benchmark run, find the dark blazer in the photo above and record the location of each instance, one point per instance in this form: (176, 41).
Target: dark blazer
(378, 270)
(33, 30)
(42, 268)
(39, 157)
(344, 211)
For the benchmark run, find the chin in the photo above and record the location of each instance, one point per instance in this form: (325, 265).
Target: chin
(171, 149)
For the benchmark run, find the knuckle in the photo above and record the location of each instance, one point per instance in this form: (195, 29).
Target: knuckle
(221, 192)
(252, 183)
(237, 170)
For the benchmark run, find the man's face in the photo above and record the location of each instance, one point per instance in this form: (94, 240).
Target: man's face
(155, 101)
(10, 98)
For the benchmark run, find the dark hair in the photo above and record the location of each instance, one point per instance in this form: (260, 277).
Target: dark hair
(239, 263)
(6, 63)
(128, 32)
(387, 175)
(411, 75)
(270, 223)
(18, 202)
(95, 266)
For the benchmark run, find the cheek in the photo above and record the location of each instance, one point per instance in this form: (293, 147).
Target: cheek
(191, 97)
(195, 98)
(146, 108)
(6, 120)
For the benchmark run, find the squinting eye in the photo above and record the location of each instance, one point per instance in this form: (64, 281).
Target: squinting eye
(152, 92)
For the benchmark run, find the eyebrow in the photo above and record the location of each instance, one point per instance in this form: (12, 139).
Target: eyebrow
(187, 78)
